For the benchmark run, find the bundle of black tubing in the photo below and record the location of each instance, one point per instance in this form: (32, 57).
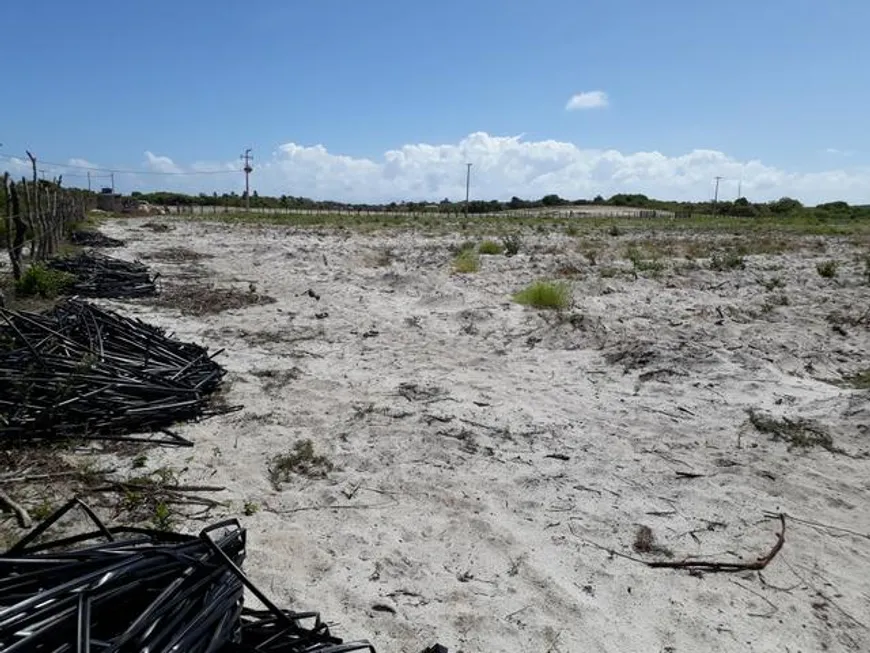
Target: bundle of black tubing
(103, 276)
(87, 238)
(79, 371)
(125, 589)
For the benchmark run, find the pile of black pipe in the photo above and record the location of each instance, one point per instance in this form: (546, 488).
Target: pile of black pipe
(103, 276)
(80, 371)
(125, 589)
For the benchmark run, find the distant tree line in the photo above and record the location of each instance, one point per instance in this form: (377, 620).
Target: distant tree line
(737, 208)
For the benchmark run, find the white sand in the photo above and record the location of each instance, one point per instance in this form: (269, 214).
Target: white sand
(447, 507)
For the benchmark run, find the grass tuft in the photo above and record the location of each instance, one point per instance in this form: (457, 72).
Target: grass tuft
(299, 461)
(491, 247)
(545, 294)
(466, 261)
(827, 269)
(44, 282)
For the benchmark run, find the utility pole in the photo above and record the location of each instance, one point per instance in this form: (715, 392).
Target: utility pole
(112, 177)
(89, 181)
(716, 195)
(467, 187)
(247, 157)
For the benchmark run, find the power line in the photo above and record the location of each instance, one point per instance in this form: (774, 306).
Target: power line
(122, 172)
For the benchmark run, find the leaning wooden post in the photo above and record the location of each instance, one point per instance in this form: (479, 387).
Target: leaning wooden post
(20, 232)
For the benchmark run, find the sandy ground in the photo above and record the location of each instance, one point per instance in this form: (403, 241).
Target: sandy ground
(481, 447)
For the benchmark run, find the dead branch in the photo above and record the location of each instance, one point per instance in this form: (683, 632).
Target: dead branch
(712, 566)
(23, 518)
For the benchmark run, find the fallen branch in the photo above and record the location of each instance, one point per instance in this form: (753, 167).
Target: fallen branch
(23, 518)
(712, 566)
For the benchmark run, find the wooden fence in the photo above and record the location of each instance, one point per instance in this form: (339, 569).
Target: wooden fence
(37, 216)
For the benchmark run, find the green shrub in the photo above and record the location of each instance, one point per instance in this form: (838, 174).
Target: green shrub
(512, 244)
(545, 294)
(44, 282)
(490, 247)
(466, 261)
(828, 269)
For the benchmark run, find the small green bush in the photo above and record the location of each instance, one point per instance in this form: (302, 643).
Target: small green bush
(490, 247)
(545, 294)
(44, 282)
(512, 244)
(828, 269)
(466, 261)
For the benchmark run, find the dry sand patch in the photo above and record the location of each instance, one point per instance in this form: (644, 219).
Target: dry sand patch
(478, 447)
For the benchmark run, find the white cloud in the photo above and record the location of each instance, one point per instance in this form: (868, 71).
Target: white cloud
(503, 166)
(838, 152)
(588, 100)
(156, 163)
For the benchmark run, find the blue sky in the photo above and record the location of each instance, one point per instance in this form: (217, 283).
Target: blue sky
(775, 89)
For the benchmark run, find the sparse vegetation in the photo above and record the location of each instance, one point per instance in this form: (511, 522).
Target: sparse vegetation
(158, 227)
(176, 255)
(827, 269)
(614, 231)
(860, 380)
(799, 433)
(645, 542)
(299, 461)
(193, 299)
(643, 261)
(780, 299)
(490, 247)
(512, 244)
(466, 261)
(773, 283)
(163, 519)
(383, 258)
(250, 508)
(729, 260)
(39, 280)
(545, 294)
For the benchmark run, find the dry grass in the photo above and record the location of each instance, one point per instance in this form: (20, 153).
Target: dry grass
(176, 255)
(157, 227)
(201, 300)
(299, 461)
(276, 380)
(799, 433)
